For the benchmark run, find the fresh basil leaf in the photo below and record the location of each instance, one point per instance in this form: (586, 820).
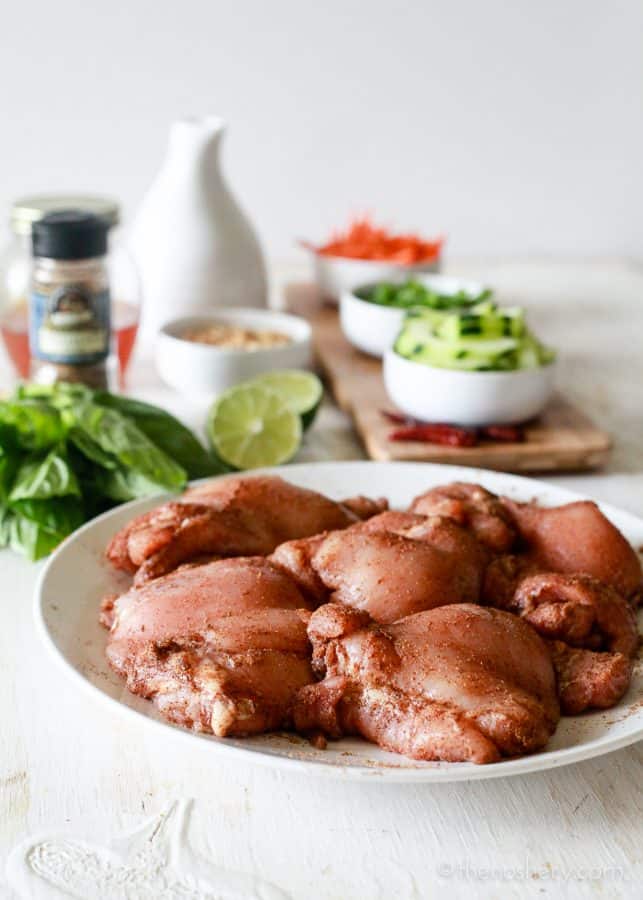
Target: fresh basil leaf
(37, 424)
(59, 515)
(27, 537)
(61, 395)
(5, 525)
(9, 462)
(8, 437)
(119, 436)
(89, 448)
(36, 527)
(89, 474)
(40, 479)
(123, 484)
(166, 432)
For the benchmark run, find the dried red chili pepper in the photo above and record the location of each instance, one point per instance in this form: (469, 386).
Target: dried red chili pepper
(448, 435)
(510, 434)
(399, 418)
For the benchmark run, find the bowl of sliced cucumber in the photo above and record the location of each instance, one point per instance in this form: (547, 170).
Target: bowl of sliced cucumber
(371, 315)
(473, 365)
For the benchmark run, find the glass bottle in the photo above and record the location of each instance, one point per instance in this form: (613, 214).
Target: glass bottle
(15, 277)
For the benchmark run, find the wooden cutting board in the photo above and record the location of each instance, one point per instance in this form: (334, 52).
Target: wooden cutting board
(563, 438)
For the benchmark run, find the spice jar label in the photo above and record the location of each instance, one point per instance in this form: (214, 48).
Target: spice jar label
(71, 325)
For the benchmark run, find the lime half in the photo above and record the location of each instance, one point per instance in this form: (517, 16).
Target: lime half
(301, 391)
(250, 425)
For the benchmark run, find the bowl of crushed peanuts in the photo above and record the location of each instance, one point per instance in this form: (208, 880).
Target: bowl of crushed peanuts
(205, 354)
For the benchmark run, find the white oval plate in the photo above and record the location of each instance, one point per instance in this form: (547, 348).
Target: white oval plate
(72, 583)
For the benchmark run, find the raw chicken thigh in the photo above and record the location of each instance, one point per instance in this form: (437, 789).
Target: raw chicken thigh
(234, 516)
(473, 507)
(455, 683)
(569, 577)
(391, 576)
(295, 558)
(577, 538)
(577, 609)
(220, 647)
(589, 680)
(394, 565)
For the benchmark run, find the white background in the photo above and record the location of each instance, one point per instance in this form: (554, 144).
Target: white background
(515, 127)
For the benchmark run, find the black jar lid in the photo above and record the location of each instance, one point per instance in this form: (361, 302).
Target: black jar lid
(70, 234)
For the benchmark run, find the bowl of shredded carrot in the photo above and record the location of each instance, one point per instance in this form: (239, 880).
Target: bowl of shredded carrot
(365, 252)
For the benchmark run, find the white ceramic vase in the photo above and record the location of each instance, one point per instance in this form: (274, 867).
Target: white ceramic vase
(194, 247)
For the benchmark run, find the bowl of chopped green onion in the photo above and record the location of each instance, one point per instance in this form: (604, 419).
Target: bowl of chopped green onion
(371, 316)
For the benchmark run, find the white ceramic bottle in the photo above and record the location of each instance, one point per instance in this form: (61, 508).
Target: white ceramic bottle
(194, 247)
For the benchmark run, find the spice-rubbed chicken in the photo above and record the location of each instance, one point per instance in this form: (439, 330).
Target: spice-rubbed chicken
(587, 680)
(579, 615)
(297, 557)
(220, 647)
(457, 683)
(233, 516)
(392, 576)
(577, 538)
(394, 565)
(473, 507)
(405, 637)
(577, 609)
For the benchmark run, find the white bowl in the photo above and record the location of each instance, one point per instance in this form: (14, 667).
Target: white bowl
(373, 328)
(467, 398)
(336, 274)
(200, 369)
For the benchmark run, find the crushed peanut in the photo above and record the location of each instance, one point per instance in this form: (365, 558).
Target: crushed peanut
(234, 337)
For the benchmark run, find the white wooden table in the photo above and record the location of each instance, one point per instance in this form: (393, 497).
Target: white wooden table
(69, 766)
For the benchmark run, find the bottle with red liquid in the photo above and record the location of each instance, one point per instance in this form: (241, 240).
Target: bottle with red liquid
(16, 270)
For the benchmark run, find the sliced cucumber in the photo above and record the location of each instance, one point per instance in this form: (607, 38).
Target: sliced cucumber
(482, 337)
(481, 325)
(486, 306)
(467, 354)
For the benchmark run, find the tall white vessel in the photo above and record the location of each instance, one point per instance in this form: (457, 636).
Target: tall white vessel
(194, 247)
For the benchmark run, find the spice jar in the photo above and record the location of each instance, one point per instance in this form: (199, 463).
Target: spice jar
(69, 302)
(15, 277)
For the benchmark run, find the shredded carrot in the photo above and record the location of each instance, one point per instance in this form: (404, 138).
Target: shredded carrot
(363, 240)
